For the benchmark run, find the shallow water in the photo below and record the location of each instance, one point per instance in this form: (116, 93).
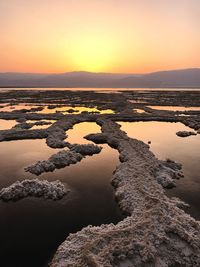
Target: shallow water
(32, 229)
(104, 89)
(10, 108)
(137, 101)
(166, 144)
(78, 109)
(174, 108)
(138, 110)
(7, 124)
(61, 108)
(41, 126)
(80, 130)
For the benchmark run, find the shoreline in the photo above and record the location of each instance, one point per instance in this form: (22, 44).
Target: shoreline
(156, 230)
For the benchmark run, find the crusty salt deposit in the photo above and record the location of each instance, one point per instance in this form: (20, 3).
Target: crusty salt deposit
(185, 133)
(86, 149)
(156, 232)
(63, 158)
(33, 188)
(60, 160)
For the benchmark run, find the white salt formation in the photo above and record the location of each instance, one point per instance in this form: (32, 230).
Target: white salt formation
(63, 158)
(88, 149)
(33, 188)
(60, 160)
(185, 133)
(156, 233)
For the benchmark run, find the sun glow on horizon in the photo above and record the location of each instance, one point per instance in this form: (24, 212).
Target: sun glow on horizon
(92, 53)
(129, 36)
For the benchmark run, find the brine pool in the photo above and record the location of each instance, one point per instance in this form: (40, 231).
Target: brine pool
(175, 108)
(31, 229)
(52, 108)
(7, 124)
(166, 144)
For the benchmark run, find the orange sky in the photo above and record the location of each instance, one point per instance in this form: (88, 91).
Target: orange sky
(126, 36)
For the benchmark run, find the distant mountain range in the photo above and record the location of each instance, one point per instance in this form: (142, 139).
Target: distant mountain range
(187, 78)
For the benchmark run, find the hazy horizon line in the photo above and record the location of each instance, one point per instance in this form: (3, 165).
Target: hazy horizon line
(99, 72)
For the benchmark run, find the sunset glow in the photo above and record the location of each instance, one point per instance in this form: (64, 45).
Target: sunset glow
(102, 36)
(92, 53)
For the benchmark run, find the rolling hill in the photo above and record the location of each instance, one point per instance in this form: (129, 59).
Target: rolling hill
(162, 79)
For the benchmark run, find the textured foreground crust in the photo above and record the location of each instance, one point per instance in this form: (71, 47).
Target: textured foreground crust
(64, 158)
(156, 232)
(33, 188)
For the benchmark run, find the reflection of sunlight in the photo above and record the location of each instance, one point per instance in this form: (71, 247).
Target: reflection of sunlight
(76, 135)
(86, 109)
(174, 108)
(82, 109)
(63, 109)
(7, 124)
(166, 144)
(164, 141)
(139, 110)
(41, 126)
(78, 109)
(15, 155)
(9, 108)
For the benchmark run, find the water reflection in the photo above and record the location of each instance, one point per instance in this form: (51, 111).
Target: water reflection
(82, 129)
(174, 108)
(41, 126)
(165, 144)
(10, 108)
(135, 101)
(77, 109)
(138, 110)
(31, 229)
(15, 155)
(59, 108)
(101, 89)
(7, 124)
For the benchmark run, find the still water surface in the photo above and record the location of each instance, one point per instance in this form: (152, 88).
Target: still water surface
(175, 108)
(31, 229)
(166, 144)
(7, 124)
(105, 89)
(59, 108)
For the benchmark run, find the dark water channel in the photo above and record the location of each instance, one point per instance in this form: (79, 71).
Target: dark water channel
(31, 229)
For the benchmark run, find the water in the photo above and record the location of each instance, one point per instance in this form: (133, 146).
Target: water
(104, 89)
(40, 126)
(78, 109)
(7, 124)
(10, 108)
(82, 129)
(174, 108)
(60, 108)
(32, 229)
(166, 144)
(138, 110)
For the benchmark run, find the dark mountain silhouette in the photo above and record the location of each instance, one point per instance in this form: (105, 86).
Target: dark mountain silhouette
(166, 79)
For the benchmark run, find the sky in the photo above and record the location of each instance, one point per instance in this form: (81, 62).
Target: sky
(119, 36)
